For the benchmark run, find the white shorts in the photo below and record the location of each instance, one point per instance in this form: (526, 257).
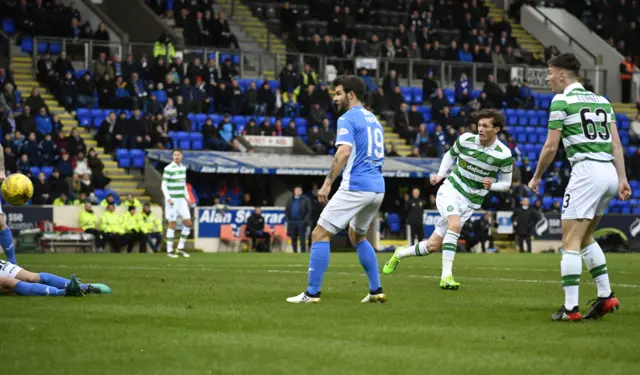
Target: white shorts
(356, 208)
(9, 270)
(450, 202)
(180, 208)
(590, 189)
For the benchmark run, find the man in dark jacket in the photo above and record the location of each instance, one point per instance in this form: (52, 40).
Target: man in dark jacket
(524, 220)
(298, 214)
(255, 230)
(414, 209)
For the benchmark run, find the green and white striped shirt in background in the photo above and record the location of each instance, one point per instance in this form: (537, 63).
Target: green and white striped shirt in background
(174, 178)
(584, 119)
(475, 162)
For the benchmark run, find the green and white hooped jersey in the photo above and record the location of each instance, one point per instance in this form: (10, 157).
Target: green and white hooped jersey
(175, 177)
(584, 119)
(475, 162)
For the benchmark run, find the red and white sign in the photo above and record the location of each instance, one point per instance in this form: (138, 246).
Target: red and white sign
(261, 141)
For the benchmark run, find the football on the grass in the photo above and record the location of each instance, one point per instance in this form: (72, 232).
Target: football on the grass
(17, 189)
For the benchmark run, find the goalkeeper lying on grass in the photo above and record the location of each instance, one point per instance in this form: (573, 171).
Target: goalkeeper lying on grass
(16, 280)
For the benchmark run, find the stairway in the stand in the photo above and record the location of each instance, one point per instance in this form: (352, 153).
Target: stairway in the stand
(525, 40)
(121, 181)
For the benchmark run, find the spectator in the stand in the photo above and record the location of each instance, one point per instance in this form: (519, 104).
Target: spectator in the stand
(137, 91)
(43, 123)
(446, 119)
(27, 121)
(251, 128)
(227, 131)
(68, 91)
(423, 142)
(64, 166)
(159, 71)
(10, 160)
(438, 102)
(41, 189)
(390, 82)
(31, 149)
(5, 77)
(131, 66)
(110, 199)
(316, 116)
(496, 56)
(48, 151)
(266, 100)
(265, 127)
(98, 178)
(402, 125)
(151, 226)
(86, 89)
(170, 113)
(137, 132)
(80, 165)
(464, 87)
(133, 232)
(8, 98)
(35, 101)
(327, 135)
(118, 68)
(464, 54)
(226, 39)
(222, 98)
(183, 123)
(160, 132)
(76, 143)
(391, 150)
(62, 200)
(101, 34)
(396, 99)
(513, 93)
(251, 99)
(46, 70)
(414, 211)
(102, 66)
(526, 96)
(298, 215)
(314, 141)
(61, 142)
(211, 137)
(429, 85)
(106, 132)
(24, 164)
(154, 106)
(290, 130)
(493, 90)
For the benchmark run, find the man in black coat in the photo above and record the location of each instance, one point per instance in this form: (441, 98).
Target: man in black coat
(298, 214)
(524, 220)
(414, 209)
(255, 230)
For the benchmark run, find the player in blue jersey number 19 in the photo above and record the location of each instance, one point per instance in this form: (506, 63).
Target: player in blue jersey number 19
(360, 156)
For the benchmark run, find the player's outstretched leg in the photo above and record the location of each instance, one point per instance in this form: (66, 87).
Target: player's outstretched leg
(318, 264)
(6, 240)
(60, 282)
(369, 261)
(25, 288)
(422, 248)
(596, 262)
(184, 235)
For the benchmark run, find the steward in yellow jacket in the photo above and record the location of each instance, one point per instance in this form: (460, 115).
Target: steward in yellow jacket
(152, 227)
(111, 228)
(88, 221)
(132, 224)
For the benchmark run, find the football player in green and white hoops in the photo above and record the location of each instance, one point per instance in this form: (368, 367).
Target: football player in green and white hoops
(587, 126)
(483, 163)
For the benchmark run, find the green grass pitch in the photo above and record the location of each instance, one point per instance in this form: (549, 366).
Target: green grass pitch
(226, 314)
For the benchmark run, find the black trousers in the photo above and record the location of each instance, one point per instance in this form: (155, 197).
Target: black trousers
(417, 232)
(626, 90)
(113, 239)
(522, 239)
(136, 237)
(98, 240)
(298, 232)
(257, 234)
(483, 240)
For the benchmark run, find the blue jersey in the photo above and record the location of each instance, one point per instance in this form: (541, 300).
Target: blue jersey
(361, 130)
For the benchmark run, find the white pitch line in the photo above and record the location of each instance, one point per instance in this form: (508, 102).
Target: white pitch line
(182, 267)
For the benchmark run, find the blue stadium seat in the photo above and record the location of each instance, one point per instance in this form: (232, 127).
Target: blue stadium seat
(512, 120)
(35, 171)
(395, 223)
(99, 194)
(55, 48)
(547, 202)
(47, 171)
(26, 45)
(521, 137)
(137, 158)
(631, 150)
(427, 116)
(475, 94)
(300, 121)
(545, 104)
(455, 110)
(124, 162)
(302, 131)
(196, 141)
(518, 129)
(417, 95)
(451, 100)
(542, 113)
(122, 153)
(523, 120)
(533, 121)
(85, 120)
(82, 111)
(431, 127)
(8, 26)
(200, 119)
(98, 113)
(182, 138)
(216, 119)
(406, 93)
(43, 47)
(448, 92)
(237, 120)
(510, 112)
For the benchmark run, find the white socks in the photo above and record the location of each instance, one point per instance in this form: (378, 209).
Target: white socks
(571, 269)
(449, 246)
(184, 234)
(418, 249)
(597, 264)
(170, 234)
